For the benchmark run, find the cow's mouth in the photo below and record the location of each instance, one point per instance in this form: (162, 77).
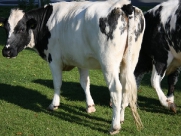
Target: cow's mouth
(9, 52)
(11, 57)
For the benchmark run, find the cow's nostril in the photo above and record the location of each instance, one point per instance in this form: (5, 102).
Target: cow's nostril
(6, 52)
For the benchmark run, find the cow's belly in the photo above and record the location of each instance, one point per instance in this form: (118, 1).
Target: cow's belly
(86, 62)
(67, 68)
(175, 63)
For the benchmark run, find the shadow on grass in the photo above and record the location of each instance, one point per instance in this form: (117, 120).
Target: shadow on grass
(153, 105)
(35, 101)
(74, 92)
(72, 114)
(23, 97)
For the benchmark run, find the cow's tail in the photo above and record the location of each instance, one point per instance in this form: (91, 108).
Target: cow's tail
(130, 85)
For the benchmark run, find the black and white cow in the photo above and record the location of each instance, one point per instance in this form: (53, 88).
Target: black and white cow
(89, 35)
(161, 49)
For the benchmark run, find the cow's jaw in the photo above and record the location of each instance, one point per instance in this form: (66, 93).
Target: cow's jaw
(32, 41)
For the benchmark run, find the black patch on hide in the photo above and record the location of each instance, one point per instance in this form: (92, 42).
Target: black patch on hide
(110, 21)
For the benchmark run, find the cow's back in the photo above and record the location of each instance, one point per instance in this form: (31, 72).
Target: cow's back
(76, 33)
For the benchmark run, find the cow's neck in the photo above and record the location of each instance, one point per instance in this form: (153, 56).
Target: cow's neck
(41, 32)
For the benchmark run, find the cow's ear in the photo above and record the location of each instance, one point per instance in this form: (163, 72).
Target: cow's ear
(2, 21)
(31, 23)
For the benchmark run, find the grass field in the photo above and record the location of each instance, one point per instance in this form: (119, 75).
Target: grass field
(26, 89)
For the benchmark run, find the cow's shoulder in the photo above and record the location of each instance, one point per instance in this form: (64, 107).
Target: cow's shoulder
(42, 33)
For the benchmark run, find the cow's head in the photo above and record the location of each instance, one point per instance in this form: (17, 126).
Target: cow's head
(19, 32)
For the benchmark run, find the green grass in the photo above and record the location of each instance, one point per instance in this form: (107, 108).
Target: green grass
(26, 89)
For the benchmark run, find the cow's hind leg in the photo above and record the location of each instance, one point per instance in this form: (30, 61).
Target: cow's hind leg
(112, 79)
(85, 83)
(57, 82)
(172, 80)
(123, 106)
(125, 102)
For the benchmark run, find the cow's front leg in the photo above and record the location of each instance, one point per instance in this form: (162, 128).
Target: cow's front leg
(57, 82)
(85, 83)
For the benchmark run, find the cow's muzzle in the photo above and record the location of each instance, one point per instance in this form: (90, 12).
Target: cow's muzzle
(9, 52)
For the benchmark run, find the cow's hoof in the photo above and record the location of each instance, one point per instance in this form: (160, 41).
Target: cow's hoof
(52, 108)
(172, 107)
(113, 132)
(91, 109)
